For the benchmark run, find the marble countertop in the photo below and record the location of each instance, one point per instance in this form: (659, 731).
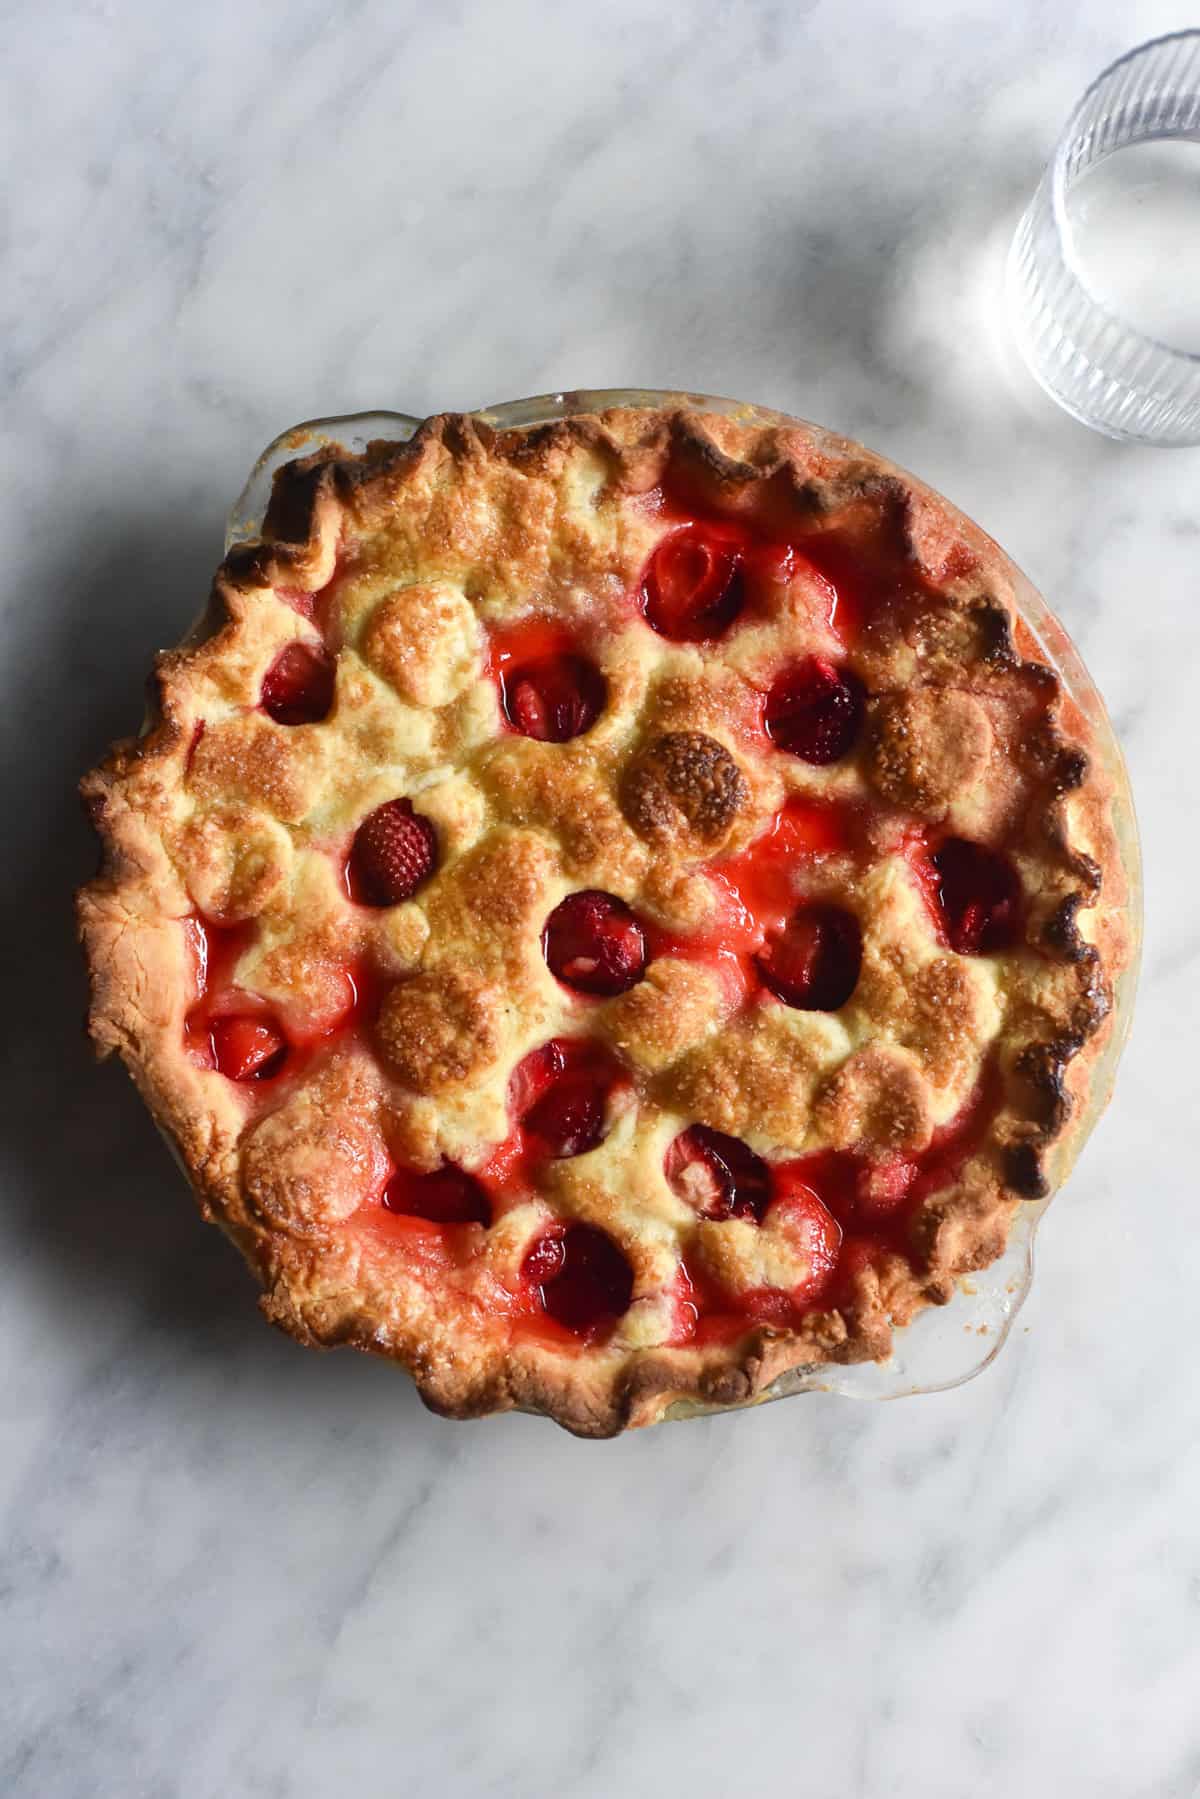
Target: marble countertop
(233, 1569)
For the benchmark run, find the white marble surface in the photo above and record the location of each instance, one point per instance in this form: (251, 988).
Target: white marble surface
(232, 1569)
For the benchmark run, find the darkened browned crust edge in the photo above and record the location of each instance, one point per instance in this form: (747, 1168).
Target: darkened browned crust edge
(594, 1395)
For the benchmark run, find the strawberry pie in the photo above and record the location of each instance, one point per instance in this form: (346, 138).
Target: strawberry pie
(609, 914)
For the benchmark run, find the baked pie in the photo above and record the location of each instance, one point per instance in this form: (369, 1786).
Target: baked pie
(609, 913)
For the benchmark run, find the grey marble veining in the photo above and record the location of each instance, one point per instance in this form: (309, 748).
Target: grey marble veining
(229, 1568)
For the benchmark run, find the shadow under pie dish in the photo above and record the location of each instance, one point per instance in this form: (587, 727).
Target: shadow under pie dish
(620, 912)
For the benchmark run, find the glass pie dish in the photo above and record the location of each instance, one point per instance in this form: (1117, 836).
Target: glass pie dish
(945, 1345)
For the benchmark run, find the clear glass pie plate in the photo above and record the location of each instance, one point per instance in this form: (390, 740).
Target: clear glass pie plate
(945, 1345)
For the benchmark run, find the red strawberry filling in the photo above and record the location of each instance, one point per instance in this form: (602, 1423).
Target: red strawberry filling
(246, 1038)
(584, 1282)
(815, 711)
(447, 1195)
(593, 943)
(719, 1175)
(553, 698)
(693, 588)
(559, 1096)
(298, 687)
(569, 1118)
(856, 1191)
(798, 1215)
(395, 851)
(977, 892)
(814, 963)
(247, 1047)
(813, 1232)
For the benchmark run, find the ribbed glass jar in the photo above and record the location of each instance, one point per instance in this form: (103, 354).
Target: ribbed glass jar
(1095, 363)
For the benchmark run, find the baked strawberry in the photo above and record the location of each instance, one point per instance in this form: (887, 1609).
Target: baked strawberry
(584, 1280)
(247, 1046)
(978, 895)
(717, 1174)
(395, 851)
(593, 943)
(799, 1215)
(814, 964)
(298, 687)
(445, 1195)
(559, 1095)
(815, 711)
(554, 698)
(693, 588)
(569, 1118)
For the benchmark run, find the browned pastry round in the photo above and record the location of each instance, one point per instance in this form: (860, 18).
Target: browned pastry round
(610, 912)
(683, 791)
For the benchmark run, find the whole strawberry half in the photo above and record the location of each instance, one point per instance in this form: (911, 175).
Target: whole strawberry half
(395, 851)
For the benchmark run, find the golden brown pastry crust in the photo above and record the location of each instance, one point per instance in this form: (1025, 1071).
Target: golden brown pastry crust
(436, 544)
